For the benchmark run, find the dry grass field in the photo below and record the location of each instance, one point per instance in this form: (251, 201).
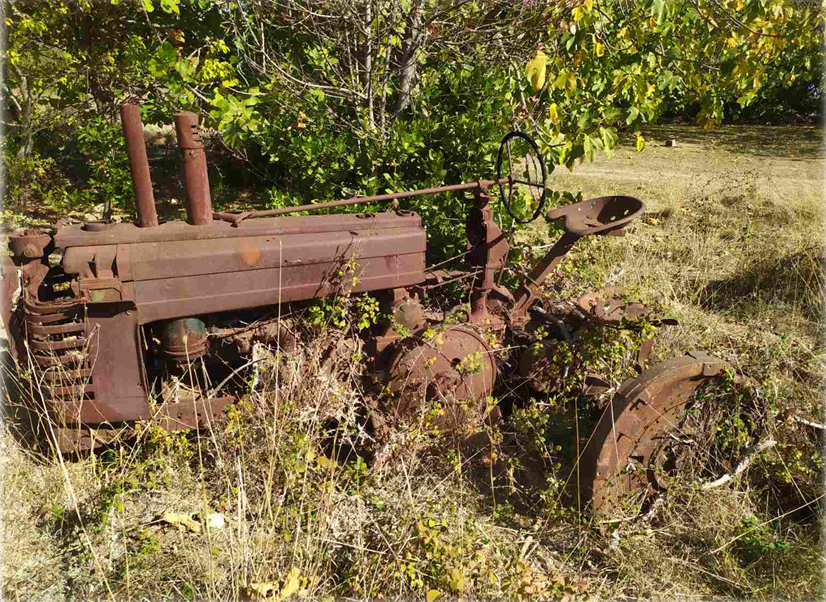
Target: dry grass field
(731, 245)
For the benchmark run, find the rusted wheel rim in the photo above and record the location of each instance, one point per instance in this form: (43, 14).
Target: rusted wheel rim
(627, 451)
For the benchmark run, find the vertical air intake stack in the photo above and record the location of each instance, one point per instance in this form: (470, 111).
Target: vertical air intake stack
(196, 180)
(130, 117)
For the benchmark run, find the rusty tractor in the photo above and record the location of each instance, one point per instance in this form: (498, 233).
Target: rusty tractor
(102, 312)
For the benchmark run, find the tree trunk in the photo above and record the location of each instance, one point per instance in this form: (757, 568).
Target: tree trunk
(408, 66)
(368, 63)
(26, 109)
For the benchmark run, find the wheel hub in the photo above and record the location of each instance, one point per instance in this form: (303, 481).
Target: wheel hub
(444, 378)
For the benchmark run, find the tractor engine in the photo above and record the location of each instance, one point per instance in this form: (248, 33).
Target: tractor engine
(126, 303)
(105, 311)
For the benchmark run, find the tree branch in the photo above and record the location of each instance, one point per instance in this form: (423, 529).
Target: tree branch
(751, 453)
(815, 425)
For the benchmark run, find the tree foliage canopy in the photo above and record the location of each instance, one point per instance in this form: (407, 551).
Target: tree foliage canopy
(327, 98)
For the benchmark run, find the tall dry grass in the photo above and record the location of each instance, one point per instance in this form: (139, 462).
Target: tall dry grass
(315, 505)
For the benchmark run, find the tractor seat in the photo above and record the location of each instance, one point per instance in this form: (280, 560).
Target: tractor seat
(602, 215)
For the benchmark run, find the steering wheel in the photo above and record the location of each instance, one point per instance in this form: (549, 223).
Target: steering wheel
(518, 151)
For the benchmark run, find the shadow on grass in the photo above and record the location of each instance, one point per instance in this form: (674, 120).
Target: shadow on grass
(796, 281)
(519, 480)
(22, 422)
(784, 142)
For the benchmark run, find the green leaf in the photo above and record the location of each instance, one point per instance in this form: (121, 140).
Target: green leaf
(170, 6)
(658, 10)
(185, 68)
(155, 68)
(609, 137)
(590, 148)
(457, 580)
(561, 79)
(147, 6)
(609, 140)
(611, 114)
(167, 53)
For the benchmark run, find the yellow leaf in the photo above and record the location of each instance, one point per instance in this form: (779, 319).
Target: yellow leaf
(578, 13)
(535, 70)
(291, 584)
(561, 79)
(457, 580)
(432, 594)
(260, 590)
(599, 49)
(181, 521)
(589, 4)
(553, 113)
(640, 142)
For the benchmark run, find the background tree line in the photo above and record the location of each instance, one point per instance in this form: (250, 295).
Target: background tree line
(322, 99)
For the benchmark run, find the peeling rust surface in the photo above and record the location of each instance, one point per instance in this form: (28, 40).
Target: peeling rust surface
(139, 165)
(127, 233)
(249, 252)
(196, 179)
(608, 305)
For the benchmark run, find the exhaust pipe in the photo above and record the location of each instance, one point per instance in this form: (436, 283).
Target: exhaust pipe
(196, 180)
(130, 117)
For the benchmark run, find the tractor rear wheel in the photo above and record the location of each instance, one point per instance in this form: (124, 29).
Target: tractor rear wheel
(635, 444)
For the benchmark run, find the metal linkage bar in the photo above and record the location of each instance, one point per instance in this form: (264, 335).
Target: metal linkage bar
(236, 218)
